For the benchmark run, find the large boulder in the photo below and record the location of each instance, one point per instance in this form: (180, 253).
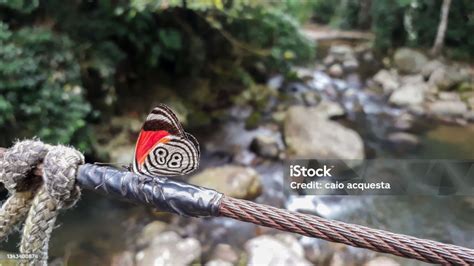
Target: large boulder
(275, 250)
(387, 79)
(308, 134)
(169, 248)
(234, 181)
(430, 67)
(409, 61)
(450, 108)
(447, 77)
(409, 95)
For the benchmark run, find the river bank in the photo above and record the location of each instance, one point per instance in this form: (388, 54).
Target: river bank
(346, 105)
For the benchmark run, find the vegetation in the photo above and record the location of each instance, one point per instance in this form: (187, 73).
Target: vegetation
(65, 63)
(403, 22)
(40, 85)
(68, 64)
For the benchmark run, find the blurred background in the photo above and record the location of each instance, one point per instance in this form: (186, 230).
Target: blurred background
(257, 82)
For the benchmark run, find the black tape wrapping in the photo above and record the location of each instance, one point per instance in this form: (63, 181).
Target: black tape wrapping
(163, 193)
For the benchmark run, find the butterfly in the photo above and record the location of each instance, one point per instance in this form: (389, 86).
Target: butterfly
(163, 148)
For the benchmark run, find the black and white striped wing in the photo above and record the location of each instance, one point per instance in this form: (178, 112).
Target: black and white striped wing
(163, 147)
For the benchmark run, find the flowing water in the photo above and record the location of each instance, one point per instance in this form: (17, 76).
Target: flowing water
(446, 219)
(98, 226)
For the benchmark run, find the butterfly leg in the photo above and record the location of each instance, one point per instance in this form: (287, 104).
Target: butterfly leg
(142, 180)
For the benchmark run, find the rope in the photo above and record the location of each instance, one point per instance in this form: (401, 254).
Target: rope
(349, 234)
(40, 199)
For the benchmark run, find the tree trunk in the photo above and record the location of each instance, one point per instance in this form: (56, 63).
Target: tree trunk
(364, 18)
(443, 25)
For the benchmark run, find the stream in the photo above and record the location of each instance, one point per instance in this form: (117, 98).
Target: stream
(98, 225)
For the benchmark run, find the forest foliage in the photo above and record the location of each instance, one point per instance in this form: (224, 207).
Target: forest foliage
(398, 23)
(67, 64)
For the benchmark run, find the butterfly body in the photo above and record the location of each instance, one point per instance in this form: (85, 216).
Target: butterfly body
(163, 148)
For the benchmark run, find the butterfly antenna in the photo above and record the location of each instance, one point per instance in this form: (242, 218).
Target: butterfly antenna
(125, 166)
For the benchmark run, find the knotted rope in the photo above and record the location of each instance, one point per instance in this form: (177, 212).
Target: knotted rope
(42, 198)
(38, 199)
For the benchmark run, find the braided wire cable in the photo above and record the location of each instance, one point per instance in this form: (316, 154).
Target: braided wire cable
(60, 191)
(349, 234)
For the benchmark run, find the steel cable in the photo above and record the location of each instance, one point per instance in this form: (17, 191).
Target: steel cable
(349, 234)
(126, 185)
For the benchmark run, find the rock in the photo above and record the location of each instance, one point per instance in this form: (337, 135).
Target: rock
(330, 109)
(403, 142)
(450, 108)
(275, 82)
(381, 261)
(340, 53)
(303, 73)
(311, 98)
(430, 67)
(447, 77)
(350, 64)
(470, 101)
(388, 80)
(448, 96)
(292, 243)
(224, 252)
(469, 116)
(404, 122)
(235, 181)
(122, 259)
(268, 250)
(308, 134)
(339, 260)
(279, 117)
(368, 57)
(418, 110)
(265, 146)
(412, 79)
(409, 61)
(244, 157)
(327, 253)
(169, 248)
(336, 71)
(408, 95)
(150, 231)
(218, 263)
(329, 60)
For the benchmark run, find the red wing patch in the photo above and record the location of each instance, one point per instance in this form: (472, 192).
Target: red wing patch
(146, 141)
